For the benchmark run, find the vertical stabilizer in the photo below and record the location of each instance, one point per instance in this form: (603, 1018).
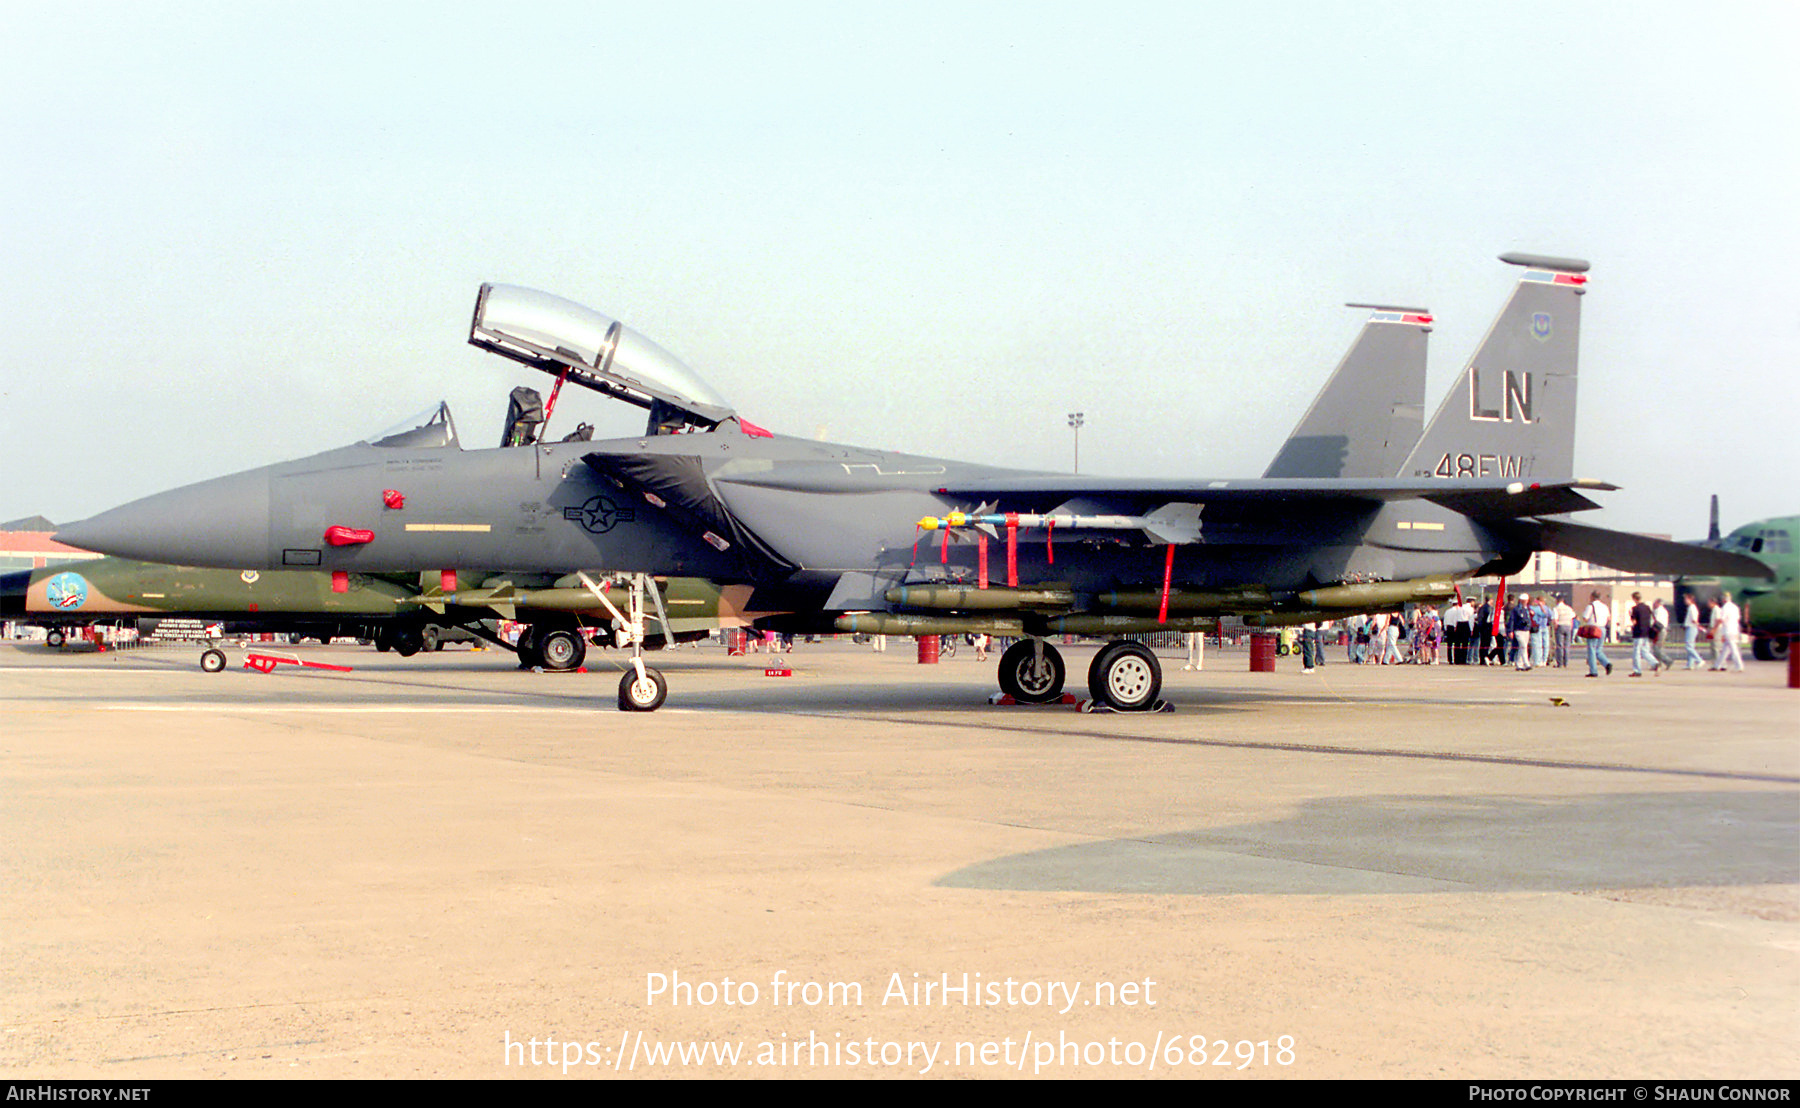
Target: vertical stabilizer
(1366, 419)
(1511, 412)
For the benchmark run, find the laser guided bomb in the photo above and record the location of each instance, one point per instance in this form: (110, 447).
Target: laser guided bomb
(822, 534)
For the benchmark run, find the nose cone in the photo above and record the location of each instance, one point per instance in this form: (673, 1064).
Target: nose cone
(223, 522)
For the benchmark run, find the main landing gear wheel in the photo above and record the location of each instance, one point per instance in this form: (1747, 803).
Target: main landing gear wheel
(527, 648)
(212, 661)
(1029, 678)
(1125, 676)
(562, 649)
(1770, 648)
(407, 641)
(54, 638)
(644, 694)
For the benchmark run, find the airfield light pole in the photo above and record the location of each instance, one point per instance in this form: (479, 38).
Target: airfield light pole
(1076, 419)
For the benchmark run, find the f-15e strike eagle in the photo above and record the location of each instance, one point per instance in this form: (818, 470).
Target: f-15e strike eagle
(833, 537)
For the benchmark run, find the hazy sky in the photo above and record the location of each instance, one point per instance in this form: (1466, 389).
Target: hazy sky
(235, 233)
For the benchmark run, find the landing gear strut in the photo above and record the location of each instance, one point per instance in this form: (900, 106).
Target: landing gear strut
(642, 689)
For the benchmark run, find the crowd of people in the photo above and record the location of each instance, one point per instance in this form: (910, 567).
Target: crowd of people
(1532, 630)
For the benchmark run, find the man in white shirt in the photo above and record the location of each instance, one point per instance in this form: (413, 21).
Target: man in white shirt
(1725, 632)
(1597, 617)
(1564, 617)
(1661, 613)
(1690, 631)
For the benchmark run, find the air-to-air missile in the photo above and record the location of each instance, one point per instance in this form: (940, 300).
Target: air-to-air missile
(821, 533)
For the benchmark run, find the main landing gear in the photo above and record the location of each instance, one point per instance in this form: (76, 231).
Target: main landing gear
(1031, 672)
(554, 648)
(1125, 676)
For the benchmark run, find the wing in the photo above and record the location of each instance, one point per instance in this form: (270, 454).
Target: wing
(1479, 499)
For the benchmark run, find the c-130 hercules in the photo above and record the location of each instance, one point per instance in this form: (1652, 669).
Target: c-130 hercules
(834, 537)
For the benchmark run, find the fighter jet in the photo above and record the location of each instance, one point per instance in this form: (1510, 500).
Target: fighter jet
(847, 538)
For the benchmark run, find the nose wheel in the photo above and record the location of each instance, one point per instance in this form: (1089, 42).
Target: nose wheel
(642, 693)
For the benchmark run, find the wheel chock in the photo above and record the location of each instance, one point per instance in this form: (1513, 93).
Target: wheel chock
(1094, 706)
(1006, 700)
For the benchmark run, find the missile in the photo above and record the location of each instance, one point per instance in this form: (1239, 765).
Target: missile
(1248, 598)
(1378, 594)
(1171, 523)
(998, 597)
(887, 623)
(505, 599)
(1125, 625)
(1285, 619)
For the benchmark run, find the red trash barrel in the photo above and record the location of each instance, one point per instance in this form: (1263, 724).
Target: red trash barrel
(928, 650)
(1262, 652)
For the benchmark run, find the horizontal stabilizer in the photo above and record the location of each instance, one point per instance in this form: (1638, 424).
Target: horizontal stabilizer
(1623, 550)
(1533, 500)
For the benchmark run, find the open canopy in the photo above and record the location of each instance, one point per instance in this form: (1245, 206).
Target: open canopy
(565, 339)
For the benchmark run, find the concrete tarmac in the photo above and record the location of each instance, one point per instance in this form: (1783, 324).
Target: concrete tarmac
(445, 867)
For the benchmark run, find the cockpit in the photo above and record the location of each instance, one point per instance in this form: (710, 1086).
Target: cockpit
(432, 427)
(578, 345)
(1760, 540)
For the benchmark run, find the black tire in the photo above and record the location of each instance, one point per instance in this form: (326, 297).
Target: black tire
(212, 661)
(562, 649)
(407, 641)
(1769, 648)
(527, 648)
(54, 638)
(428, 640)
(642, 696)
(1125, 676)
(1026, 682)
